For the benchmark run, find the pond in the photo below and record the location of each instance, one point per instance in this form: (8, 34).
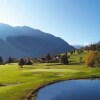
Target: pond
(71, 90)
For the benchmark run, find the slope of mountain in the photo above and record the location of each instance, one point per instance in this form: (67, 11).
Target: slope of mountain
(99, 42)
(7, 50)
(25, 41)
(77, 46)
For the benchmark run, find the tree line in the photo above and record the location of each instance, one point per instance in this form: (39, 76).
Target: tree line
(92, 59)
(93, 47)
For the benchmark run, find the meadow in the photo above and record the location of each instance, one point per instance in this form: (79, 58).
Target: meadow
(18, 83)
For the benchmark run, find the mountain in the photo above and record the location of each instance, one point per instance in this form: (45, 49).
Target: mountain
(87, 44)
(25, 42)
(99, 42)
(77, 46)
(7, 50)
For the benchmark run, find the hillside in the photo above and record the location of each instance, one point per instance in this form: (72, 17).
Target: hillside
(77, 46)
(25, 41)
(22, 82)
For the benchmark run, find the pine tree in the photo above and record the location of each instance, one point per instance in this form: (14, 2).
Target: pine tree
(1, 60)
(48, 57)
(21, 62)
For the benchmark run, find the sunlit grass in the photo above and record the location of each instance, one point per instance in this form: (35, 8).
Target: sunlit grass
(21, 82)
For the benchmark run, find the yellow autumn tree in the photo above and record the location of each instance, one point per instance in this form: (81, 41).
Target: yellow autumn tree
(91, 58)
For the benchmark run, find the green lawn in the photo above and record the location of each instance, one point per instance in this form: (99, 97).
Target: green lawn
(21, 82)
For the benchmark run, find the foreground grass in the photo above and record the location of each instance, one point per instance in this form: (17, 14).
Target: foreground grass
(21, 82)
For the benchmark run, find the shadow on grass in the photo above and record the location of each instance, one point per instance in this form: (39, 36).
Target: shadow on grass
(75, 63)
(54, 64)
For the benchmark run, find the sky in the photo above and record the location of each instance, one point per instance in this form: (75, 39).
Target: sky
(75, 21)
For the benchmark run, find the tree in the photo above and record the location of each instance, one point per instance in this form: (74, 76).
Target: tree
(78, 51)
(48, 57)
(28, 62)
(71, 52)
(97, 60)
(64, 59)
(98, 47)
(10, 60)
(1, 60)
(21, 62)
(93, 47)
(80, 59)
(92, 58)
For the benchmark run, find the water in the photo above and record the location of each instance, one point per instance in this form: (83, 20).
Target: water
(71, 90)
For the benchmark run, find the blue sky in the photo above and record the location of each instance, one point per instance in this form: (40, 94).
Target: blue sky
(76, 21)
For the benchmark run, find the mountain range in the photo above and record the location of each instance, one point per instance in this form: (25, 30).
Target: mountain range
(78, 46)
(88, 44)
(28, 42)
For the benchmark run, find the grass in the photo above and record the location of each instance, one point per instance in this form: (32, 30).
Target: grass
(21, 82)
